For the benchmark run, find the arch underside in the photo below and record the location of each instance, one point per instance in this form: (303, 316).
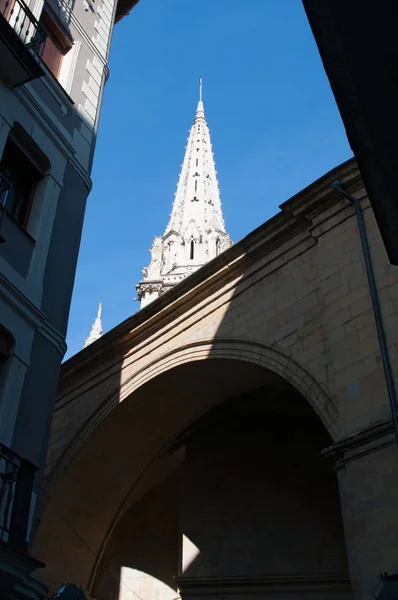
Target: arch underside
(128, 452)
(248, 504)
(270, 358)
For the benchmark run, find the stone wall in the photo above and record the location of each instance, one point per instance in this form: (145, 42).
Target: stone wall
(258, 499)
(253, 503)
(142, 554)
(291, 300)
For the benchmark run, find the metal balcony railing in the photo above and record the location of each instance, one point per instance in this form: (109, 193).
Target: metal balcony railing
(16, 498)
(25, 25)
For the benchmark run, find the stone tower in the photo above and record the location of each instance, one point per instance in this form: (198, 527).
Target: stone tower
(196, 230)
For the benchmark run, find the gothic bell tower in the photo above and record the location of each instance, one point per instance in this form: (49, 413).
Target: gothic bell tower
(196, 231)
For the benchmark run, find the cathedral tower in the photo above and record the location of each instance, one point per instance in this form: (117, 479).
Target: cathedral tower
(196, 230)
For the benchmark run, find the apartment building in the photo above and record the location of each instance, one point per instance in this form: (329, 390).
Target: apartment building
(53, 68)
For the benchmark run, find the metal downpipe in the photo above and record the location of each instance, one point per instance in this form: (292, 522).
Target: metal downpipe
(376, 306)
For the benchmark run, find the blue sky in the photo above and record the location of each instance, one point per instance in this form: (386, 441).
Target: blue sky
(274, 124)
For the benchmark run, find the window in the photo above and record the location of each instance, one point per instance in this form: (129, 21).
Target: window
(6, 343)
(57, 44)
(197, 162)
(22, 177)
(192, 250)
(218, 246)
(196, 185)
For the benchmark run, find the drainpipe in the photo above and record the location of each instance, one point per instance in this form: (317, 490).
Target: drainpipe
(376, 306)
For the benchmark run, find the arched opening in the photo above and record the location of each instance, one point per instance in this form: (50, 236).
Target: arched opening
(218, 246)
(222, 425)
(250, 497)
(191, 250)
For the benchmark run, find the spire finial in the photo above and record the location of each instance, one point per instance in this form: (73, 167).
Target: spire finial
(200, 108)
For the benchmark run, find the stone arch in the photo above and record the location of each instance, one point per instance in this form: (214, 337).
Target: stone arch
(269, 357)
(125, 440)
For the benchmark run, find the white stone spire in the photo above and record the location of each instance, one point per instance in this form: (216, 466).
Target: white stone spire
(196, 231)
(96, 329)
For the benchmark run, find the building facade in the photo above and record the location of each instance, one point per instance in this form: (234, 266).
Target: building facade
(196, 231)
(235, 437)
(53, 68)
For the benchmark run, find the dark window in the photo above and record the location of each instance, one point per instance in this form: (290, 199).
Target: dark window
(6, 343)
(57, 43)
(192, 250)
(22, 177)
(196, 185)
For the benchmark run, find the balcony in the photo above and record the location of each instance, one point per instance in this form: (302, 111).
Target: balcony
(22, 41)
(16, 498)
(16, 511)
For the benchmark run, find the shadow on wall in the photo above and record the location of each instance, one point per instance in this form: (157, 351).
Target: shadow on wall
(142, 555)
(253, 499)
(262, 324)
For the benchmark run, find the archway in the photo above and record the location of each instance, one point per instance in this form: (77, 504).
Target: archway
(118, 462)
(248, 503)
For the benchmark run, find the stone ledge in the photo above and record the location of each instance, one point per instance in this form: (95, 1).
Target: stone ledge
(290, 226)
(325, 586)
(369, 440)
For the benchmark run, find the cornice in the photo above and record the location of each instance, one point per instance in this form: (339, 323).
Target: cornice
(318, 196)
(124, 7)
(199, 298)
(290, 226)
(56, 90)
(260, 584)
(27, 97)
(366, 441)
(53, 132)
(30, 313)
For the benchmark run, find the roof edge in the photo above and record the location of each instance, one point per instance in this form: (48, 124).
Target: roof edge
(123, 9)
(313, 199)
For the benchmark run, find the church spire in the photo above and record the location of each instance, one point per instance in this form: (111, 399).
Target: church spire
(196, 231)
(96, 329)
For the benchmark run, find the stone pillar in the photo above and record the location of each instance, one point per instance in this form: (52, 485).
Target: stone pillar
(367, 465)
